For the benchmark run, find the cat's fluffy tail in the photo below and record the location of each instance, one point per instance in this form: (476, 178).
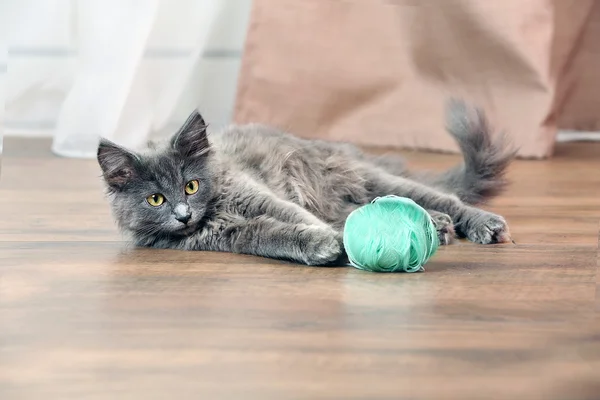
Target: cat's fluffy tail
(486, 156)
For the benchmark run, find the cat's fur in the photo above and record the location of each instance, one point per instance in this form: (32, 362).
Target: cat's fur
(267, 193)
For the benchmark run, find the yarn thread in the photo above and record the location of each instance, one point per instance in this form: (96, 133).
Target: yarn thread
(390, 234)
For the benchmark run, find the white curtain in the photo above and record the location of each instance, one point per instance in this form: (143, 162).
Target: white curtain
(3, 70)
(120, 81)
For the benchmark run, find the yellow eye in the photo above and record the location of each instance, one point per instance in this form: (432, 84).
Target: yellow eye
(156, 199)
(191, 187)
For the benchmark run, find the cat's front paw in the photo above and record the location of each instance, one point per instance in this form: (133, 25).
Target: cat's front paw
(321, 246)
(487, 228)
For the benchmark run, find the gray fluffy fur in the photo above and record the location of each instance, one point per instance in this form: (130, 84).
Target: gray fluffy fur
(268, 193)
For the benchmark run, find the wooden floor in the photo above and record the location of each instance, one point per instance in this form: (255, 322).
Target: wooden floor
(84, 317)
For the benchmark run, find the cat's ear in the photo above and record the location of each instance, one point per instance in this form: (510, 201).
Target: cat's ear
(191, 141)
(118, 164)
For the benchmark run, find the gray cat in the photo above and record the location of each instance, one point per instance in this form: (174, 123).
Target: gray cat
(256, 190)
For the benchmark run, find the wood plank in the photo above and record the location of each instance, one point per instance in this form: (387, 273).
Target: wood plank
(84, 316)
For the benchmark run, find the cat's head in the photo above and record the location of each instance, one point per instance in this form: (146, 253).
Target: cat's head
(165, 191)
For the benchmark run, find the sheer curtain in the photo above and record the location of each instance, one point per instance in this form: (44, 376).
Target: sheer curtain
(3, 70)
(128, 69)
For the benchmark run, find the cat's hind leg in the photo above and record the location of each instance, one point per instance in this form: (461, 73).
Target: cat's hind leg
(444, 227)
(477, 225)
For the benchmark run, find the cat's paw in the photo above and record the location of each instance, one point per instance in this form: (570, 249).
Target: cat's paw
(487, 228)
(321, 246)
(444, 227)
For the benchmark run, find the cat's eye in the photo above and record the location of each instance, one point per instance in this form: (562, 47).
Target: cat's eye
(156, 199)
(191, 187)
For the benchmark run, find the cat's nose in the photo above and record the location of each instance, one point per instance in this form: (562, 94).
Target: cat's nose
(185, 218)
(182, 213)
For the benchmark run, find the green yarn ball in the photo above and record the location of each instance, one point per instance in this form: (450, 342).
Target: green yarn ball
(390, 234)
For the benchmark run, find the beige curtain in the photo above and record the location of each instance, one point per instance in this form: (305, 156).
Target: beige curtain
(377, 72)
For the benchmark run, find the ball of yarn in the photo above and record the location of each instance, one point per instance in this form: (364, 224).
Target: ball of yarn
(390, 234)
